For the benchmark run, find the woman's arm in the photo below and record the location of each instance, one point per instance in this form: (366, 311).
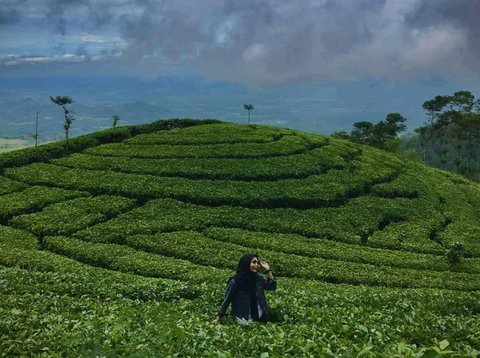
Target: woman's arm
(226, 301)
(269, 284)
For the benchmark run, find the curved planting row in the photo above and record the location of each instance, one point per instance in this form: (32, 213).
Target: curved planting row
(347, 224)
(316, 161)
(33, 199)
(332, 188)
(90, 243)
(187, 256)
(212, 134)
(124, 259)
(67, 217)
(286, 145)
(9, 186)
(335, 250)
(24, 269)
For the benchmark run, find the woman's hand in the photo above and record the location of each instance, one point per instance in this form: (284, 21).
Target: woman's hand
(264, 265)
(216, 320)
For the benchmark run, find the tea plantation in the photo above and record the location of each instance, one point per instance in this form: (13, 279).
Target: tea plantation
(124, 246)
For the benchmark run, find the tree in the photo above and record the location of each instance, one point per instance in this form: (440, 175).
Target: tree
(362, 132)
(451, 137)
(380, 135)
(63, 101)
(340, 135)
(248, 107)
(434, 107)
(395, 123)
(36, 135)
(462, 101)
(115, 118)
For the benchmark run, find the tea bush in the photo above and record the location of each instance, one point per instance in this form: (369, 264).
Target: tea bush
(123, 246)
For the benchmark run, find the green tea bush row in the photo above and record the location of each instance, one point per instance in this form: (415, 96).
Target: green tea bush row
(292, 166)
(9, 186)
(313, 320)
(58, 325)
(94, 282)
(70, 216)
(286, 145)
(212, 133)
(329, 249)
(345, 224)
(199, 139)
(472, 193)
(34, 199)
(399, 186)
(456, 204)
(11, 237)
(413, 235)
(318, 320)
(46, 152)
(198, 249)
(466, 232)
(332, 188)
(124, 259)
(33, 271)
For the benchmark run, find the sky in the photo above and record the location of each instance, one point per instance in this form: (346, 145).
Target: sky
(316, 65)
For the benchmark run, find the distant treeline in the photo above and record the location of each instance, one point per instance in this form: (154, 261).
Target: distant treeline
(449, 139)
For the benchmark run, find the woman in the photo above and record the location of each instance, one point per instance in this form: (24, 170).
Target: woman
(245, 291)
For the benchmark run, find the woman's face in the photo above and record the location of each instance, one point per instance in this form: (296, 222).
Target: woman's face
(254, 264)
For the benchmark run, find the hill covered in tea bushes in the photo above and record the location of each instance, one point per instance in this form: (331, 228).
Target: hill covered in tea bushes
(123, 247)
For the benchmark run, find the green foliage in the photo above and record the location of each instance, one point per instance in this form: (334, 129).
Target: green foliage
(33, 199)
(248, 108)
(10, 186)
(46, 152)
(212, 134)
(379, 135)
(456, 252)
(125, 249)
(63, 101)
(316, 161)
(284, 146)
(115, 119)
(451, 138)
(70, 216)
(331, 188)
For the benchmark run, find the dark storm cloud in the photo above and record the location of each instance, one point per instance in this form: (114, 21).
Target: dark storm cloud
(278, 41)
(9, 14)
(268, 41)
(463, 14)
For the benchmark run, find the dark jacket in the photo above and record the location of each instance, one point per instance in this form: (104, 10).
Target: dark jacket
(241, 301)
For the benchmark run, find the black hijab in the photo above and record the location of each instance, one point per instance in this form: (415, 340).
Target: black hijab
(246, 279)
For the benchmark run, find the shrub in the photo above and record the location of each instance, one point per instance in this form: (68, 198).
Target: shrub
(456, 252)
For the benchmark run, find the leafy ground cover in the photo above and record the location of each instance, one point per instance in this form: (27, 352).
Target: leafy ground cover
(123, 248)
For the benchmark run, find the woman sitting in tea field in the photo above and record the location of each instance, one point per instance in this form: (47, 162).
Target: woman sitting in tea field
(245, 291)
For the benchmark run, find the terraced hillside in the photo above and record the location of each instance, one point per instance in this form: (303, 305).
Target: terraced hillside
(124, 248)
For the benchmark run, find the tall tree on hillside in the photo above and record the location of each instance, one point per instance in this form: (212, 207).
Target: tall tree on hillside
(36, 135)
(451, 138)
(115, 118)
(63, 101)
(249, 108)
(362, 132)
(381, 134)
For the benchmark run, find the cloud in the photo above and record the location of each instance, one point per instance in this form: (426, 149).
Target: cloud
(276, 41)
(12, 60)
(9, 16)
(271, 41)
